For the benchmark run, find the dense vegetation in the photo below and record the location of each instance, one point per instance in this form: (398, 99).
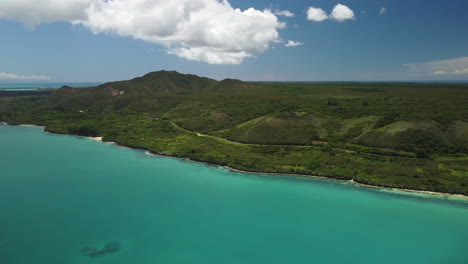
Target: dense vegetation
(404, 135)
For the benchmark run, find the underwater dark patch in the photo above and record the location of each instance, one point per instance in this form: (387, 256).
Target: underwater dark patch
(109, 248)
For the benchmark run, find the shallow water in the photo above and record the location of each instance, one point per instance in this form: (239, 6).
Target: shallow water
(61, 194)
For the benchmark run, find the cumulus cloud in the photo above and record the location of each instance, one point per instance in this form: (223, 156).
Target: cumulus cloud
(316, 14)
(292, 43)
(458, 66)
(382, 10)
(11, 76)
(33, 12)
(210, 31)
(341, 13)
(284, 13)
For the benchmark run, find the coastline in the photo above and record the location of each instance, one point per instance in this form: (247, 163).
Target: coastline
(352, 181)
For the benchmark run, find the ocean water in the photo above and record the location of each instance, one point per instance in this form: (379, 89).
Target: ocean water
(62, 197)
(34, 86)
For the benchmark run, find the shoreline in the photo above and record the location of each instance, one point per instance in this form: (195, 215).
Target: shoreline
(352, 181)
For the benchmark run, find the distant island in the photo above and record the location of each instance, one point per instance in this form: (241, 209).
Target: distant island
(399, 135)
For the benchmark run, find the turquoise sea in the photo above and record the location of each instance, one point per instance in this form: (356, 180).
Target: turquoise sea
(62, 198)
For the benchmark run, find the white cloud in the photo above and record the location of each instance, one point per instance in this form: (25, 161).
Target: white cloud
(284, 13)
(33, 12)
(201, 30)
(341, 13)
(11, 76)
(292, 43)
(316, 14)
(382, 10)
(456, 72)
(211, 31)
(458, 66)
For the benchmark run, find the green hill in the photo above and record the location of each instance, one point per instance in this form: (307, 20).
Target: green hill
(162, 82)
(151, 84)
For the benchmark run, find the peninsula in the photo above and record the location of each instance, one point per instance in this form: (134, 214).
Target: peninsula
(400, 135)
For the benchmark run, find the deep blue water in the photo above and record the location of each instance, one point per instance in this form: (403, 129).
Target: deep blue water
(61, 194)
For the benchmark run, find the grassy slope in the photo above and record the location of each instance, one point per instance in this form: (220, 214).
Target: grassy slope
(397, 135)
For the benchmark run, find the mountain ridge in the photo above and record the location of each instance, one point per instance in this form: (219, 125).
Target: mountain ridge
(150, 84)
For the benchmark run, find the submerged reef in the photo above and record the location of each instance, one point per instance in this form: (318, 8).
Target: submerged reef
(109, 248)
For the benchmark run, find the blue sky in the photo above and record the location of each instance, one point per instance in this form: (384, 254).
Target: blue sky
(410, 40)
